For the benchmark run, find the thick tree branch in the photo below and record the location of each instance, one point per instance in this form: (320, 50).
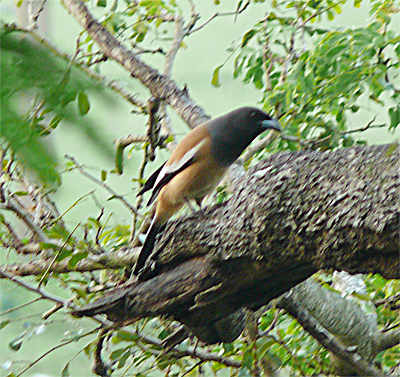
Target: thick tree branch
(334, 210)
(389, 339)
(291, 215)
(328, 341)
(322, 311)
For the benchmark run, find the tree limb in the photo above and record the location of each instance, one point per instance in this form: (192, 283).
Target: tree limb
(160, 86)
(291, 215)
(328, 341)
(111, 260)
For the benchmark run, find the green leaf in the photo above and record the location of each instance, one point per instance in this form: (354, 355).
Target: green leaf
(215, 78)
(117, 353)
(83, 103)
(65, 371)
(140, 37)
(4, 324)
(20, 193)
(228, 347)
(394, 114)
(127, 336)
(76, 258)
(103, 175)
(357, 3)
(65, 253)
(248, 360)
(247, 37)
(123, 358)
(348, 142)
(101, 3)
(55, 121)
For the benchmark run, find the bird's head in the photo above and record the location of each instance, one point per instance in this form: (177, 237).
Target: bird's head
(259, 119)
(233, 132)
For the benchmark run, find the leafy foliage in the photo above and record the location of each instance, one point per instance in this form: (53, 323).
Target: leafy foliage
(318, 75)
(35, 100)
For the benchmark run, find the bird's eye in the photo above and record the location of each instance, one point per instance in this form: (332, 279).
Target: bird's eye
(253, 114)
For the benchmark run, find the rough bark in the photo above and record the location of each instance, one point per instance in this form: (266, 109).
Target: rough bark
(291, 215)
(351, 322)
(333, 209)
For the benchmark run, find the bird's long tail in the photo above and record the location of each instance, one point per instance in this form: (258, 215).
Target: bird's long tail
(148, 245)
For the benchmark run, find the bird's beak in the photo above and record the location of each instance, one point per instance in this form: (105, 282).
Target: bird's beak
(271, 124)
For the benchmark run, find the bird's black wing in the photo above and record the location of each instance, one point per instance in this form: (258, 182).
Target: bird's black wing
(166, 178)
(149, 184)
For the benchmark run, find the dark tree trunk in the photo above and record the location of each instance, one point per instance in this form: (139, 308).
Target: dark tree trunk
(291, 215)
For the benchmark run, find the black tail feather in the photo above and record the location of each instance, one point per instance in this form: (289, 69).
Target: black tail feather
(148, 246)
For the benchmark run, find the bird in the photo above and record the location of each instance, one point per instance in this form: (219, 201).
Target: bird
(197, 165)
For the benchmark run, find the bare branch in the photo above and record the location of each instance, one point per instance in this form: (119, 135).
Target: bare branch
(48, 269)
(111, 260)
(179, 34)
(73, 339)
(41, 292)
(103, 184)
(221, 14)
(20, 306)
(12, 205)
(33, 15)
(130, 139)
(258, 146)
(99, 367)
(192, 352)
(159, 85)
(391, 300)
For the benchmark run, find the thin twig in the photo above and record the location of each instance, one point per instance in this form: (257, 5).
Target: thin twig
(130, 139)
(13, 205)
(32, 288)
(111, 260)
(258, 146)
(192, 352)
(48, 296)
(20, 306)
(221, 14)
(103, 184)
(99, 367)
(179, 34)
(90, 193)
(272, 325)
(56, 256)
(74, 339)
(320, 11)
(33, 15)
(50, 312)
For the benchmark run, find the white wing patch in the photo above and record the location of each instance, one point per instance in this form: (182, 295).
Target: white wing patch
(170, 169)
